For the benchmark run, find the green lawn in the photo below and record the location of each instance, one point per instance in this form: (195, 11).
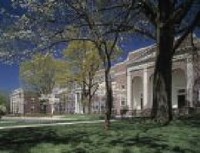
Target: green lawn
(87, 117)
(6, 123)
(181, 136)
(67, 118)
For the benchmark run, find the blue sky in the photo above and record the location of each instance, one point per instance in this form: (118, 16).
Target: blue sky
(9, 78)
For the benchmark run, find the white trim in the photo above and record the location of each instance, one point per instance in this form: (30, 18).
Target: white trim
(140, 67)
(120, 73)
(141, 49)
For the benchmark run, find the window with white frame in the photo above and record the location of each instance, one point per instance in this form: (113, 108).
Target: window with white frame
(123, 101)
(123, 86)
(199, 95)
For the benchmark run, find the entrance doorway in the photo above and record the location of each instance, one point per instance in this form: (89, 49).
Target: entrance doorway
(181, 98)
(181, 101)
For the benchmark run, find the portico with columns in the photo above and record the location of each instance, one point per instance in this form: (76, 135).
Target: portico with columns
(140, 82)
(138, 87)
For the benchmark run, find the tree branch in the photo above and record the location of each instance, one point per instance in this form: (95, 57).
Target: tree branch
(181, 12)
(148, 11)
(188, 30)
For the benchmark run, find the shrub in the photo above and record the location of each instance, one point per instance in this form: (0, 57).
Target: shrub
(123, 110)
(2, 110)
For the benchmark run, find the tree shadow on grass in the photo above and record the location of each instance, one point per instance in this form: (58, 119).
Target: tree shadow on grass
(22, 140)
(136, 125)
(147, 124)
(128, 134)
(151, 143)
(163, 142)
(192, 121)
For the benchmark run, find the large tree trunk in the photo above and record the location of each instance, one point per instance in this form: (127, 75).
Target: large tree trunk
(109, 95)
(89, 107)
(162, 104)
(89, 104)
(89, 95)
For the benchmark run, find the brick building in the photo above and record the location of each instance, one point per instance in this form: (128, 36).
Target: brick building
(25, 102)
(132, 79)
(132, 82)
(22, 102)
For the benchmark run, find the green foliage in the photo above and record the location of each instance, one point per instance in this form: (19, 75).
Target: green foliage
(3, 99)
(3, 103)
(42, 73)
(83, 59)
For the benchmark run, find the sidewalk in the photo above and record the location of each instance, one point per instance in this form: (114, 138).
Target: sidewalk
(52, 124)
(34, 118)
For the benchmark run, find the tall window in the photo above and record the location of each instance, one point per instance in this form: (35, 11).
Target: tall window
(123, 101)
(199, 95)
(141, 101)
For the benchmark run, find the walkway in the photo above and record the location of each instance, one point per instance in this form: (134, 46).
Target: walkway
(36, 118)
(52, 124)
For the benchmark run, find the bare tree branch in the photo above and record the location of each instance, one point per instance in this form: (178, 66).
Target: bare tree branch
(187, 31)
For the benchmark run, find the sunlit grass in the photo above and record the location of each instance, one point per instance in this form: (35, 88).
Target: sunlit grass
(83, 117)
(63, 119)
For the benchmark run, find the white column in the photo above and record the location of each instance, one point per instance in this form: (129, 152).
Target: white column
(80, 104)
(52, 109)
(190, 82)
(11, 105)
(23, 103)
(100, 107)
(76, 103)
(129, 90)
(145, 88)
